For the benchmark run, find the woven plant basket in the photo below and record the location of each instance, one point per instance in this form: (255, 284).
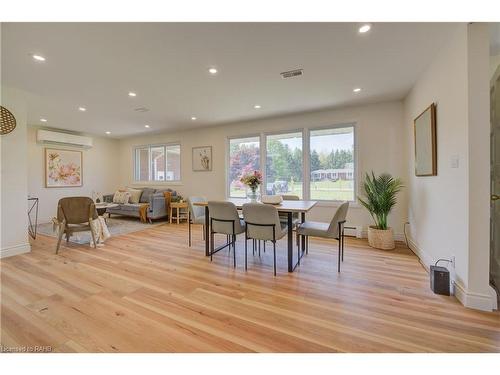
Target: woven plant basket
(382, 239)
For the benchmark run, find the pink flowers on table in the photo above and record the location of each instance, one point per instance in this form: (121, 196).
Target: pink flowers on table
(252, 180)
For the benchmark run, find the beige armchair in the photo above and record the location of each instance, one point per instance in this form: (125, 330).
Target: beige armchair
(75, 214)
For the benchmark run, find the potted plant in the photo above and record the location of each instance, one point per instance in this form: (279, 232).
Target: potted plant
(380, 198)
(252, 180)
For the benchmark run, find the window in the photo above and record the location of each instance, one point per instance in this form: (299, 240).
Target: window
(158, 163)
(330, 160)
(244, 157)
(284, 174)
(332, 164)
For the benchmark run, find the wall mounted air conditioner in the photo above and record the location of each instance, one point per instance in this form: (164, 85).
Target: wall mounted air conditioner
(65, 139)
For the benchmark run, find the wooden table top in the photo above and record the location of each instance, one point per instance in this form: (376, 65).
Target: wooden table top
(285, 206)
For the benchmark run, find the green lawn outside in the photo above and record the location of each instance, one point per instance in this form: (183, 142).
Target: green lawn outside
(320, 190)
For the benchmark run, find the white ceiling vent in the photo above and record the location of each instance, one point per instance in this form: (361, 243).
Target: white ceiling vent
(67, 139)
(292, 73)
(141, 109)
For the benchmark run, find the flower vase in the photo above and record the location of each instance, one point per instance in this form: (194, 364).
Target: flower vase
(253, 195)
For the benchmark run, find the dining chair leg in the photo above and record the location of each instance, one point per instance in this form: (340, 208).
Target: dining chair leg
(264, 246)
(307, 244)
(234, 250)
(259, 248)
(340, 250)
(211, 245)
(189, 233)
(246, 245)
(342, 244)
(253, 246)
(274, 263)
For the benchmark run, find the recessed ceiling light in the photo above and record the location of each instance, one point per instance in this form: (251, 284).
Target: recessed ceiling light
(193, 118)
(147, 126)
(43, 120)
(357, 89)
(108, 132)
(257, 106)
(132, 93)
(364, 29)
(38, 57)
(82, 109)
(212, 70)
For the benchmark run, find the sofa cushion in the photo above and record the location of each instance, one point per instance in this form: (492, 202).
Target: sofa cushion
(135, 195)
(173, 192)
(146, 195)
(121, 197)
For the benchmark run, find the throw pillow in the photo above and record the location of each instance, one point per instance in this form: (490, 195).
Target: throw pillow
(121, 197)
(146, 195)
(135, 195)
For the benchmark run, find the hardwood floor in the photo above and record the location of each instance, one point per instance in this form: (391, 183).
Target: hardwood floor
(149, 292)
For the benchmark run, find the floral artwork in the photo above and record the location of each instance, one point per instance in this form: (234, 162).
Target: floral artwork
(202, 158)
(63, 168)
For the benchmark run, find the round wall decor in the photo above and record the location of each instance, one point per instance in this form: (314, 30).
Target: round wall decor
(7, 121)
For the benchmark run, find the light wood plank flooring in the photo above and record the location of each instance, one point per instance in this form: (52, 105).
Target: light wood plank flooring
(149, 292)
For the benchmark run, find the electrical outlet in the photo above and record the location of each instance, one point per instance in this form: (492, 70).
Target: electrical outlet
(452, 261)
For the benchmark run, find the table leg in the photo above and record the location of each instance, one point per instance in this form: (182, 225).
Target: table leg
(290, 242)
(207, 232)
(171, 211)
(178, 213)
(303, 239)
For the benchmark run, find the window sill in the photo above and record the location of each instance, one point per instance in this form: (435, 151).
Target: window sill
(156, 183)
(336, 204)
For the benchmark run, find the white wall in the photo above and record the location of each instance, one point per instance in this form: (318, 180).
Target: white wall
(100, 173)
(379, 135)
(14, 191)
(447, 213)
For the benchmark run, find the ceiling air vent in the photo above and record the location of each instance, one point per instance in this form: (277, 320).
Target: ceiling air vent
(141, 109)
(292, 73)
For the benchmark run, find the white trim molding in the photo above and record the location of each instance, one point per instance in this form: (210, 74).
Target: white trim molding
(478, 301)
(484, 302)
(15, 250)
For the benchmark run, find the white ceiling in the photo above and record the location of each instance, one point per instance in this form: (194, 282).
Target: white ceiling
(95, 65)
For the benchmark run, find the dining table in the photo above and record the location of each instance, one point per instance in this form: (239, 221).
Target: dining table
(288, 207)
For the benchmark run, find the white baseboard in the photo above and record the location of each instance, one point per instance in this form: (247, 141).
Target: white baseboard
(485, 302)
(15, 250)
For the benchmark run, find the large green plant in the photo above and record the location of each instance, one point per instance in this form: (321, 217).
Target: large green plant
(380, 196)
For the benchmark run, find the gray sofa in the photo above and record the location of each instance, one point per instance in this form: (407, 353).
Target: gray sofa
(154, 197)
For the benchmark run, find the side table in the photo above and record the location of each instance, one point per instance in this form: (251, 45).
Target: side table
(179, 214)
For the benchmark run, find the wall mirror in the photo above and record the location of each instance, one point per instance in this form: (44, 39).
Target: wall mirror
(425, 142)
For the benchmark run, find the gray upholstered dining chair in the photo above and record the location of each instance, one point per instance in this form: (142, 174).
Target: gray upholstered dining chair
(224, 219)
(334, 229)
(263, 223)
(75, 214)
(196, 214)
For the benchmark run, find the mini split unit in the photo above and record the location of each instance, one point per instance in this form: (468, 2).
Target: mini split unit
(64, 139)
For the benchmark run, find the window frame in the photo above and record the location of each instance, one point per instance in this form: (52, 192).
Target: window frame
(228, 158)
(149, 147)
(354, 155)
(306, 154)
(263, 168)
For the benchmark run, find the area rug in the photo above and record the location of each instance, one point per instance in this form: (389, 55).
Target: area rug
(116, 227)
